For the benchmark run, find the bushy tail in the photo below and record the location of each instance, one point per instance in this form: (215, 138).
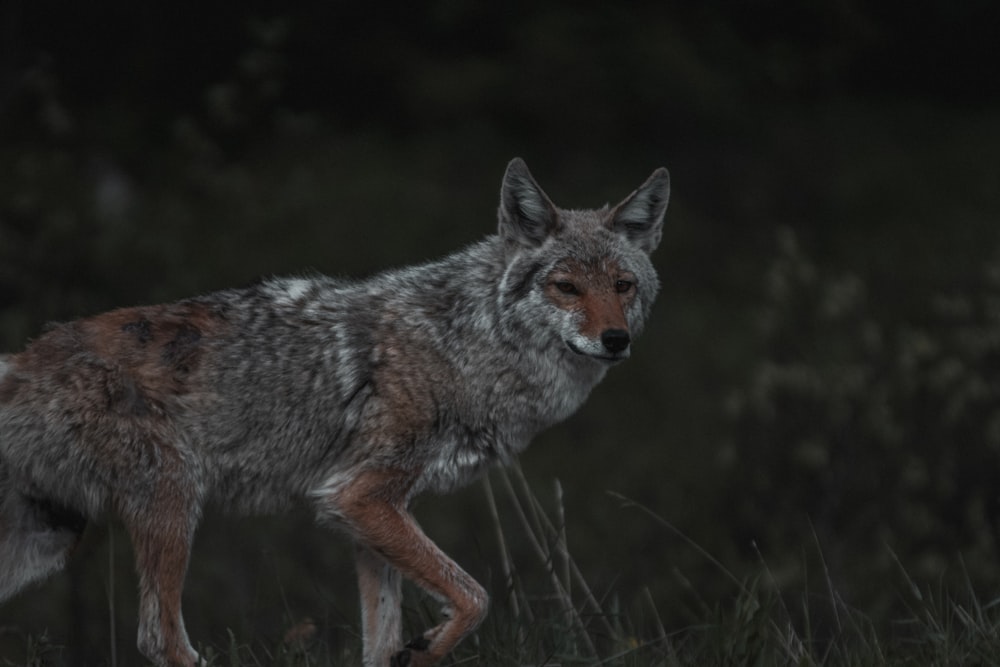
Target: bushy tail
(36, 536)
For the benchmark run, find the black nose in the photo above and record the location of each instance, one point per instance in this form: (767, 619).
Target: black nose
(615, 340)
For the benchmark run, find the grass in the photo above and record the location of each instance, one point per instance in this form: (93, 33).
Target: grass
(545, 613)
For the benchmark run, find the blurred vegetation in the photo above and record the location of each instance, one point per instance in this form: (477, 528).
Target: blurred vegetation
(813, 405)
(880, 437)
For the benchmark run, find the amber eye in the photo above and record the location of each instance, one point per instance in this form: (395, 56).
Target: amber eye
(623, 286)
(566, 287)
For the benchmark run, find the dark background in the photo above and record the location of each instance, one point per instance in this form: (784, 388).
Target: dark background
(817, 384)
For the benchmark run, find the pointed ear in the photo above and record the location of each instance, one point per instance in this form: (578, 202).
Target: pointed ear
(640, 216)
(527, 216)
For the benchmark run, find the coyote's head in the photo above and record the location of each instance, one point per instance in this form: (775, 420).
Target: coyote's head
(585, 277)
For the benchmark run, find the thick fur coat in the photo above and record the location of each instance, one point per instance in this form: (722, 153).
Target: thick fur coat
(351, 395)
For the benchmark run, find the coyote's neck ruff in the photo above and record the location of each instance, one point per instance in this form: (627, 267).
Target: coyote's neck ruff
(352, 395)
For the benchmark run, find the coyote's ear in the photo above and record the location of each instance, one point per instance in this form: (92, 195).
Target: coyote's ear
(527, 216)
(640, 216)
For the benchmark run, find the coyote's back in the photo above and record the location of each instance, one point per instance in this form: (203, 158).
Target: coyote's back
(351, 395)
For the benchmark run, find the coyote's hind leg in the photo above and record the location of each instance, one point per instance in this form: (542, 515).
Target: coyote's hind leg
(161, 535)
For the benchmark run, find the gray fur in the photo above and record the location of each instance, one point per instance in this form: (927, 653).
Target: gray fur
(290, 389)
(527, 216)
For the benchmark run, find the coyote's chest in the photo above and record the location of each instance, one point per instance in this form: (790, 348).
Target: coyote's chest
(501, 422)
(455, 463)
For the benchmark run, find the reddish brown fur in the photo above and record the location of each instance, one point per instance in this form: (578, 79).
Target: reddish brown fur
(161, 559)
(161, 530)
(126, 364)
(408, 376)
(352, 396)
(113, 375)
(405, 392)
(602, 305)
(373, 506)
(156, 347)
(149, 341)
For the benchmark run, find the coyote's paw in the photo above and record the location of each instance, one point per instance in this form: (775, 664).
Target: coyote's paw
(405, 657)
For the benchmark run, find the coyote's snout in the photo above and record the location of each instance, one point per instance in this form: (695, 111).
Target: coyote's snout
(352, 396)
(595, 299)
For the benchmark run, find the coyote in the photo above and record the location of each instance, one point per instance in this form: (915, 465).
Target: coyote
(354, 396)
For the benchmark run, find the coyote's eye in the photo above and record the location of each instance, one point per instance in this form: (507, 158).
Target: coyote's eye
(566, 287)
(623, 286)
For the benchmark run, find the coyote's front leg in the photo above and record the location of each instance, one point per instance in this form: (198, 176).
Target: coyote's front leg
(379, 585)
(373, 507)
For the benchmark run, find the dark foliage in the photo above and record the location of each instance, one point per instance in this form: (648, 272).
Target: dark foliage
(153, 151)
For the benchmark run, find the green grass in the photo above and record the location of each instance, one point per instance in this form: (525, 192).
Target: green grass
(544, 612)
(547, 614)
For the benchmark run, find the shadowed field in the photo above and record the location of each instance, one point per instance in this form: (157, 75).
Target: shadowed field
(799, 463)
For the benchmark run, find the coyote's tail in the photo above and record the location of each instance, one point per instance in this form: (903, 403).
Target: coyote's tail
(36, 535)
